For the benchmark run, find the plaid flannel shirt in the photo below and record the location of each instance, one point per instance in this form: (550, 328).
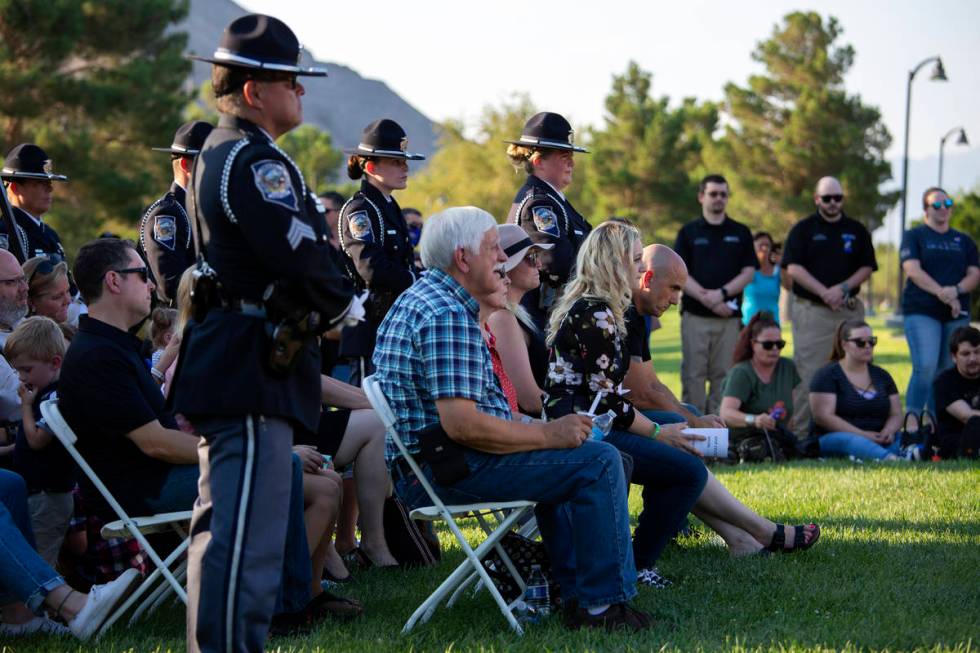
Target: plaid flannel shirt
(430, 347)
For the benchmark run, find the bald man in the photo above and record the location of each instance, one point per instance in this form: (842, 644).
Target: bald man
(660, 288)
(13, 308)
(828, 256)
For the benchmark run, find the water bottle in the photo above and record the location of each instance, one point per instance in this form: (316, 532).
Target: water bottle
(601, 425)
(536, 594)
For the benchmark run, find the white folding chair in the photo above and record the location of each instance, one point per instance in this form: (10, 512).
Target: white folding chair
(128, 526)
(472, 565)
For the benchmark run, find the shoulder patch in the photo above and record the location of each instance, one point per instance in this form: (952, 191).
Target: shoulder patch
(165, 231)
(272, 179)
(545, 220)
(360, 227)
(299, 230)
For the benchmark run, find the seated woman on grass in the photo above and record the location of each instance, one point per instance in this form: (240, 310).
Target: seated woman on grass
(855, 405)
(589, 357)
(759, 388)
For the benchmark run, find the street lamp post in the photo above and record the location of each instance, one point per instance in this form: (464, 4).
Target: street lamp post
(939, 75)
(961, 140)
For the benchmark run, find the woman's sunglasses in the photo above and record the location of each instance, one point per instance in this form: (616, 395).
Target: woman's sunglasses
(769, 344)
(44, 268)
(864, 342)
(941, 204)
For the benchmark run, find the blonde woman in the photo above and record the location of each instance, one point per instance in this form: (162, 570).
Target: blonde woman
(545, 151)
(48, 291)
(589, 357)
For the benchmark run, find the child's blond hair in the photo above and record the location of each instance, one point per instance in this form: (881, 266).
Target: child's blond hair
(36, 338)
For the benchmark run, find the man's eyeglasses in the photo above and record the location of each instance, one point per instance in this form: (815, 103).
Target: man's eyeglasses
(14, 281)
(864, 342)
(942, 204)
(289, 78)
(141, 271)
(827, 199)
(769, 344)
(717, 193)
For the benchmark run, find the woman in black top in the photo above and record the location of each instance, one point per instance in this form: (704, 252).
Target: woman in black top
(589, 357)
(374, 237)
(545, 151)
(855, 405)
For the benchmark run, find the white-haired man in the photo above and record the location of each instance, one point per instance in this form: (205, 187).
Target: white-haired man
(434, 367)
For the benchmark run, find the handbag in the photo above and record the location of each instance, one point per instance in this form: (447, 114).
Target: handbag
(524, 553)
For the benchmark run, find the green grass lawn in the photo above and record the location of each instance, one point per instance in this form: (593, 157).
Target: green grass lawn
(896, 569)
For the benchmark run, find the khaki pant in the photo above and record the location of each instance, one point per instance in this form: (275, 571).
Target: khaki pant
(50, 516)
(707, 346)
(813, 338)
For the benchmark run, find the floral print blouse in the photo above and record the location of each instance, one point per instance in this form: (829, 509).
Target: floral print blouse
(588, 356)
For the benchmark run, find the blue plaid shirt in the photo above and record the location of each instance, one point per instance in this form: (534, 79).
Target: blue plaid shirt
(430, 347)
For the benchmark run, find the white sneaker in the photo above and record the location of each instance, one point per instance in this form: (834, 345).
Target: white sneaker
(37, 625)
(102, 600)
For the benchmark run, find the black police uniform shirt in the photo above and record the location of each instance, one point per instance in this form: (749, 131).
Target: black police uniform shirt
(830, 251)
(49, 469)
(945, 258)
(378, 256)
(37, 238)
(166, 241)
(260, 227)
(949, 387)
(106, 391)
(542, 209)
(714, 254)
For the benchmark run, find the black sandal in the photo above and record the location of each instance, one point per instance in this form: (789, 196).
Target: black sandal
(778, 543)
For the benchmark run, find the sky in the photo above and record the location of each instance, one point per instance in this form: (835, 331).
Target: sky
(451, 59)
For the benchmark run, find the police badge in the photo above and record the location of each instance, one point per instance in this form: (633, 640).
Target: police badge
(545, 220)
(272, 180)
(165, 231)
(360, 227)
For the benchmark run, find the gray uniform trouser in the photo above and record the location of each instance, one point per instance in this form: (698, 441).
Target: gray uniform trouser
(238, 532)
(707, 347)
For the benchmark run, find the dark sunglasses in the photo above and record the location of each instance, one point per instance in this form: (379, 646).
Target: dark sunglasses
(717, 193)
(827, 199)
(769, 344)
(944, 204)
(142, 272)
(43, 268)
(531, 259)
(864, 342)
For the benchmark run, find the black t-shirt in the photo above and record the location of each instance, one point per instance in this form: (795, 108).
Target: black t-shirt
(637, 335)
(868, 409)
(715, 254)
(945, 258)
(106, 391)
(830, 251)
(50, 469)
(948, 388)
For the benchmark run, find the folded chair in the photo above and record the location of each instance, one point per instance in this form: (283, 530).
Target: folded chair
(506, 516)
(127, 526)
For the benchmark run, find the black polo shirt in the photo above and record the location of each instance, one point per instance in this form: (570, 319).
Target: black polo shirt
(637, 335)
(715, 254)
(949, 387)
(830, 251)
(105, 392)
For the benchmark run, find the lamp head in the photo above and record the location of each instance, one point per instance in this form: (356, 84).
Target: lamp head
(962, 138)
(938, 72)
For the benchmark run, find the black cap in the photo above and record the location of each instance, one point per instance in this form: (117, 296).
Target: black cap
(550, 131)
(384, 138)
(189, 138)
(263, 43)
(28, 161)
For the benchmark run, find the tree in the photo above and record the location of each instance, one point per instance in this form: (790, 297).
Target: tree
(313, 151)
(795, 124)
(966, 218)
(96, 84)
(644, 160)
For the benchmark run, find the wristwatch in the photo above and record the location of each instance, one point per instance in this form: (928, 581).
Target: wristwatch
(749, 419)
(724, 294)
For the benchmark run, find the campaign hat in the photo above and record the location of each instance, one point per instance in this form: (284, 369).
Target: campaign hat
(548, 130)
(384, 138)
(28, 161)
(260, 42)
(189, 138)
(516, 243)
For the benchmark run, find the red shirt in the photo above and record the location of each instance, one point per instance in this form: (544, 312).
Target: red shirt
(498, 369)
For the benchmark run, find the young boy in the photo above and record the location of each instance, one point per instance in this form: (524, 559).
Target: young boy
(36, 349)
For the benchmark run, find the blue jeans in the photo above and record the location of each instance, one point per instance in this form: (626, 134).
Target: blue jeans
(297, 574)
(178, 492)
(668, 416)
(582, 512)
(24, 575)
(844, 444)
(672, 481)
(928, 340)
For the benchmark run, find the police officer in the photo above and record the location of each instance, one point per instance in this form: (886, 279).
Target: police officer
(166, 240)
(247, 378)
(545, 152)
(27, 172)
(374, 236)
